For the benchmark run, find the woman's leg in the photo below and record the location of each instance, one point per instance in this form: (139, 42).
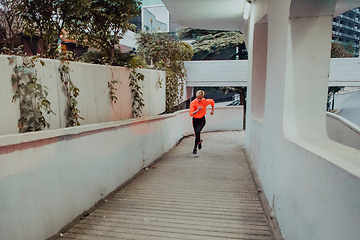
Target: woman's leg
(195, 122)
(198, 124)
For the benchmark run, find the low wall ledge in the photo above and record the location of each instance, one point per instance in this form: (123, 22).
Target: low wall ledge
(351, 125)
(14, 139)
(344, 157)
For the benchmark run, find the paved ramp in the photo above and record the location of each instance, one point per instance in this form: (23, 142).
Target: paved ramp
(210, 195)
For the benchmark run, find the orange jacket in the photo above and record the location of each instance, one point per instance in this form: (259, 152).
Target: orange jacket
(194, 105)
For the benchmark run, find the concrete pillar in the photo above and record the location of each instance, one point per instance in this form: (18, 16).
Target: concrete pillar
(312, 183)
(307, 68)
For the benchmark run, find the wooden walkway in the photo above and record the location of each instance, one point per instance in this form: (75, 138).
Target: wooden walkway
(210, 195)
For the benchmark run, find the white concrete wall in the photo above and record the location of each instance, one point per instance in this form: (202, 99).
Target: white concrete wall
(216, 73)
(94, 103)
(48, 178)
(154, 102)
(343, 72)
(311, 182)
(342, 130)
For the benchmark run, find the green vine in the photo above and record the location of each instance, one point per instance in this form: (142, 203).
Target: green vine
(112, 88)
(175, 84)
(138, 101)
(31, 95)
(159, 81)
(70, 90)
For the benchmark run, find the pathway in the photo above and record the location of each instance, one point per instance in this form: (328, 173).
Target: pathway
(210, 195)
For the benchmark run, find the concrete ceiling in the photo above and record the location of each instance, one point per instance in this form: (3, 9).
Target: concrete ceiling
(345, 5)
(208, 14)
(306, 8)
(228, 14)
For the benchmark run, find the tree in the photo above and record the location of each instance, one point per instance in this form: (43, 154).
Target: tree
(338, 50)
(9, 22)
(242, 91)
(331, 93)
(349, 47)
(163, 53)
(102, 23)
(210, 42)
(239, 90)
(47, 18)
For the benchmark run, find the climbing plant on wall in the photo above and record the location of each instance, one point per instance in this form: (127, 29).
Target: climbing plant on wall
(131, 61)
(162, 52)
(135, 78)
(30, 93)
(70, 90)
(112, 88)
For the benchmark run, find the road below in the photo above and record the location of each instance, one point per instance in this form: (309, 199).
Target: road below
(349, 104)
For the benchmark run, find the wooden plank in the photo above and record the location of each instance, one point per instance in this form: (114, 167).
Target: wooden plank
(148, 232)
(187, 220)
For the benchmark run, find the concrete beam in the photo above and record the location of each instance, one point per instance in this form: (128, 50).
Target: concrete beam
(343, 72)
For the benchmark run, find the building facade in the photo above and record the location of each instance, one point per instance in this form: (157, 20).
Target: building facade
(346, 29)
(155, 18)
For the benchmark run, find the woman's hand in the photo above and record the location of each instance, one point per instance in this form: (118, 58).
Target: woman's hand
(212, 113)
(197, 110)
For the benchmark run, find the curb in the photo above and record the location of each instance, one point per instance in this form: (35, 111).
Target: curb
(340, 93)
(337, 112)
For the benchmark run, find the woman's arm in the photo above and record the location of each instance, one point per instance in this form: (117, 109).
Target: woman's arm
(212, 103)
(199, 108)
(195, 112)
(192, 110)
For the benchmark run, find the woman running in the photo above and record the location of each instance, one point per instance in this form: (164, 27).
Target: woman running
(198, 111)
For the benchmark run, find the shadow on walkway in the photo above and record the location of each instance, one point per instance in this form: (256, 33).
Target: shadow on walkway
(210, 195)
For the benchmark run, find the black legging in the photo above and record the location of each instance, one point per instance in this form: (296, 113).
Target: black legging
(198, 124)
